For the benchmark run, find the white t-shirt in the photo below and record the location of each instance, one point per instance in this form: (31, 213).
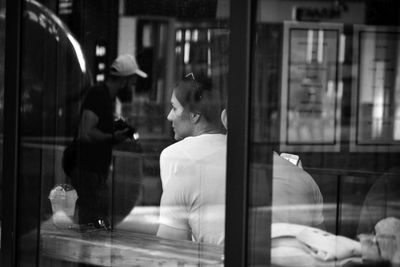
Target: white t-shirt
(296, 197)
(193, 176)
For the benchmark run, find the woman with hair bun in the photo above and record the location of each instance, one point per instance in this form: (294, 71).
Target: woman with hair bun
(193, 169)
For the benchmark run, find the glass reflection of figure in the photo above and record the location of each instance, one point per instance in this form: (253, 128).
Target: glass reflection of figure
(296, 197)
(95, 139)
(193, 169)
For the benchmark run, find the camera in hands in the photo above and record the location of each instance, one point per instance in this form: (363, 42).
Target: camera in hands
(121, 124)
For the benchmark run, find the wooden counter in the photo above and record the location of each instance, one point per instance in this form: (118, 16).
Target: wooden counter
(121, 248)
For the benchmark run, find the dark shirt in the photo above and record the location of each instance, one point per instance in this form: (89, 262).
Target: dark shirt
(97, 156)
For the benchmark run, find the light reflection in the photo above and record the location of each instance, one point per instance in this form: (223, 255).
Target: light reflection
(310, 39)
(342, 48)
(320, 55)
(179, 36)
(195, 35)
(100, 77)
(340, 92)
(186, 53)
(379, 100)
(100, 50)
(118, 108)
(187, 35)
(101, 66)
(396, 127)
(78, 52)
(53, 25)
(330, 89)
(209, 61)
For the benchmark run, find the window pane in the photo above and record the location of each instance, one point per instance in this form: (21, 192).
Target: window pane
(324, 132)
(123, 151)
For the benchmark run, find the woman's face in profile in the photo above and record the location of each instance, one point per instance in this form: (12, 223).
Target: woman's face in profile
(180, 119)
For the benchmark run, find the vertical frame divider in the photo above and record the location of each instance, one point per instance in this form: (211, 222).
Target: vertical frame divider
(240, 43)
(11, 131)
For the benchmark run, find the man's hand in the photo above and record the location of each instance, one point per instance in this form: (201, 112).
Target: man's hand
(120, 136)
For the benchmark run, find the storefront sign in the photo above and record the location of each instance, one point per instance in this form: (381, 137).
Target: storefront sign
(317, 13)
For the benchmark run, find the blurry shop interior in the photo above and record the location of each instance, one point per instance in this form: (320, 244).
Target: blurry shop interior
(318, 80)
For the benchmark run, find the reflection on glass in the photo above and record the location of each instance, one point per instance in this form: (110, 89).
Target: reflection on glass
(311, 114)
(112, 219)
(297, 201)
(53, 76)
(338, 70)
(377, 86)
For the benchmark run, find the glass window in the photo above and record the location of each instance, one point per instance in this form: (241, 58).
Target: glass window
(122, 146)
(324, 132)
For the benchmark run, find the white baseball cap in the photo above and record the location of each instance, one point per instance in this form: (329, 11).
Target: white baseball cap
(126, 65)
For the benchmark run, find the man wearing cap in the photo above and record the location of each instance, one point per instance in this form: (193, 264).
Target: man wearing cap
(95, 139)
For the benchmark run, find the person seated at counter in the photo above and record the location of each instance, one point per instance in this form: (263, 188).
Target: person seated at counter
(193, 169)
(296, 197)
(193, 173)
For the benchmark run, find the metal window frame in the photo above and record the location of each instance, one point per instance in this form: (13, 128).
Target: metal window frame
(238, 250)
(11, 131)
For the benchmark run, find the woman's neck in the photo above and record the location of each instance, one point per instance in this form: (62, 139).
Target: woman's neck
(207, 130)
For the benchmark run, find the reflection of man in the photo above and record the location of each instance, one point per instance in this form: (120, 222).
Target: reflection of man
(296, 197)
(95, 139)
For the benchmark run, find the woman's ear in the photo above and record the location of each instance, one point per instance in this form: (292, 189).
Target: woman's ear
(195, 117)
(224, 119)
